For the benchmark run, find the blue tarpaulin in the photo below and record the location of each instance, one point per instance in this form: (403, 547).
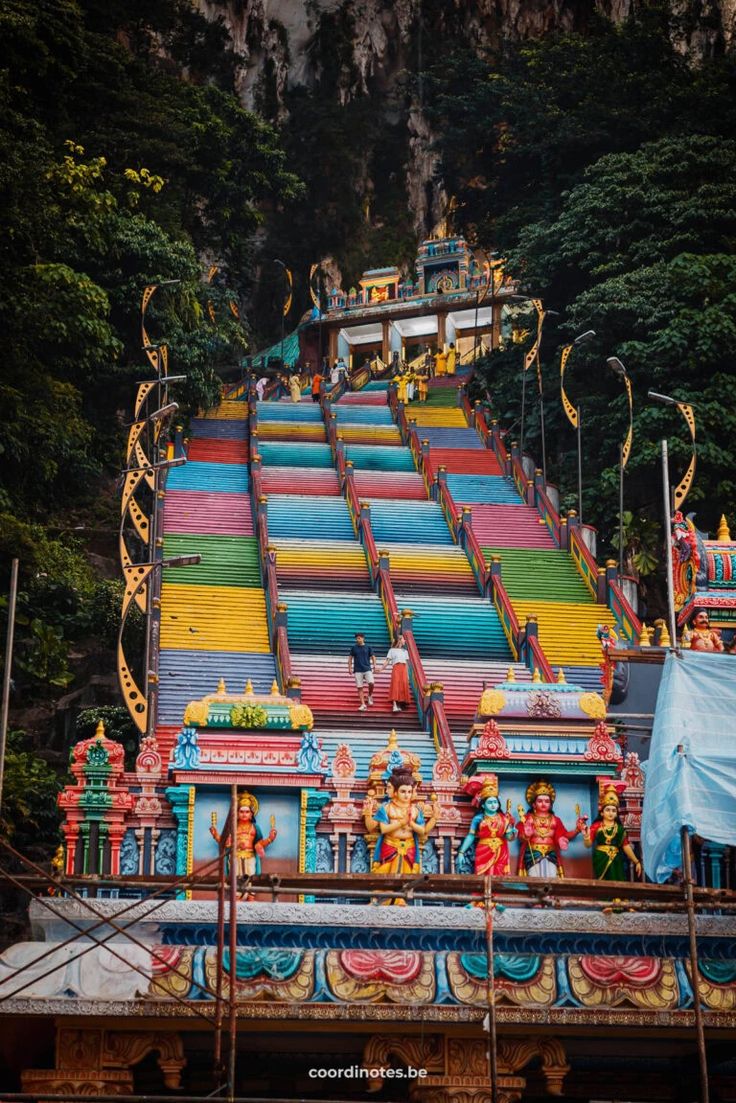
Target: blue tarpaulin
(694, 787)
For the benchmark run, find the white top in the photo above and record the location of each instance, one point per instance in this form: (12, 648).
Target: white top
(397, 655)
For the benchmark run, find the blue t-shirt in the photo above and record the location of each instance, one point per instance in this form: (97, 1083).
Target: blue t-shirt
(362, 655)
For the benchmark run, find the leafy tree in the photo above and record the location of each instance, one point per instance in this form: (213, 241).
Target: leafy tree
(29, 819)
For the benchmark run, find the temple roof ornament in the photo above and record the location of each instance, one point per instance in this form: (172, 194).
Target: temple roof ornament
(248, 710)
(512, 700)
(390, 758)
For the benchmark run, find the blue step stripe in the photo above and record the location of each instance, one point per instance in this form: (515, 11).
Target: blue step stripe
(363, 415)
(449, 438)
(483, 489)
(370, 457)
(186, 676)
(219, 429)
(456, 629)
(408, 522)
(325, 623)
(289, 411)
(277, 453)
(309, 518)
(196, 475)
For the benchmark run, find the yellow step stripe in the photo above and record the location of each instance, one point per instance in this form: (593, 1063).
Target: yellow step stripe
(445, 417)
(213, 618)
(567, 630)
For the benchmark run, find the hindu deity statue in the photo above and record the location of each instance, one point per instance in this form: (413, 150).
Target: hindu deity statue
(490, 830)
(403, 824)
(609, 840)
(543, 835)
(702, 636)
(250, 843)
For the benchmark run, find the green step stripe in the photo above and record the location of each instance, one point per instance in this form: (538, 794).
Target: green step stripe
(549, 575)
(226, 560)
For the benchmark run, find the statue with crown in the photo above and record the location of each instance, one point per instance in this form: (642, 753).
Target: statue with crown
(490, 830)
(543, 835)
(250, 843)
(608, 837)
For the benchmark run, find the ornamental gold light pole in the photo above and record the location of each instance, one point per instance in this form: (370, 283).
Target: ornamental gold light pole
(624, 451)
(673, 502)
(286, 305)
(573, 412)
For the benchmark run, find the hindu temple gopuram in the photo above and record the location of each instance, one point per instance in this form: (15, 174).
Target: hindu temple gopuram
(383, 834)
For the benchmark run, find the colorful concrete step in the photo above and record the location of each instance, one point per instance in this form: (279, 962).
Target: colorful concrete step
(461, 628)
(547, 573)
(510, 526)
(220, 477)
(189, 675)
(567, 630)
(320, 564)
(330, 691)
(205, 511)
(227, 411)
(207, 450)
(226, 560)
(430, 568)
(309, 517)
(483, 490)
(451, 438)
(437, 417)
(298, 454)
(312, 432)
(369, 434)
(232, 429)
(374, 457)
(350, 414)
(323, 622)
(464, 461)
(409, 522)
(318, 481)
(390, 484)
(288, 411)
(213, 618)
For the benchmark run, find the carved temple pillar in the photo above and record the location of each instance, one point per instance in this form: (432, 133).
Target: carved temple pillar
(455, 1070)
(100, 1062)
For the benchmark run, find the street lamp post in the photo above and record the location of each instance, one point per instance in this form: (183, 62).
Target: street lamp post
(573, 413)
(137, 576)
(285, 305)
(624, 450)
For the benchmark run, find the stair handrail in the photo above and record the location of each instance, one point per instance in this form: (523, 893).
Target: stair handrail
(278, 635)
(464, 403)
(450, 510)
(583, 559)
(536, 658)
(546, 510)
(421, 460)
(469, 541)
(622, 609)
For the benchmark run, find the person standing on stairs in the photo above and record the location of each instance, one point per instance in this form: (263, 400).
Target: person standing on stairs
(398, 658)
(361, 664)
(295, 387)
(316, 386)
(451, 359)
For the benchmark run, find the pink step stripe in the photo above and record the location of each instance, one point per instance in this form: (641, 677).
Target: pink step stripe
(205, 512)
(510, 527)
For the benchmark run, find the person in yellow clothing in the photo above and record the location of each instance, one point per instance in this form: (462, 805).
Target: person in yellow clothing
(401, 382)
(451, 359)
(422, 379)
(440, 362)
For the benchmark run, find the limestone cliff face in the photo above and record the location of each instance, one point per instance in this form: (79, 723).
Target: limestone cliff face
(282, 43)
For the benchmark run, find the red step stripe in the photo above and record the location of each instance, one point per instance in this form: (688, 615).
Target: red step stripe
(218, 451)
(464, 461)
(510, 527)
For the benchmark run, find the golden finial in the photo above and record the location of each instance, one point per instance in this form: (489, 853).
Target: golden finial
(249, 688)
(664, 635)
(645, 636)
(561, 680)
(221, 687)
(724, 533)
(536, 676)
(100, 732)
(274, 688)
(392, 738)
(510, 675)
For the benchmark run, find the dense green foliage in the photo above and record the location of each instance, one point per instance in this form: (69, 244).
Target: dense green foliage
(602, 166)
(125, 159)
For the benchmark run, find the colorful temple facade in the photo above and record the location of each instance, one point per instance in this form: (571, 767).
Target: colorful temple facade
(288, 896)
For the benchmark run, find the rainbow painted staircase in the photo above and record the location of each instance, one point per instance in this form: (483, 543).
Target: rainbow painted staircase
(213, 615)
